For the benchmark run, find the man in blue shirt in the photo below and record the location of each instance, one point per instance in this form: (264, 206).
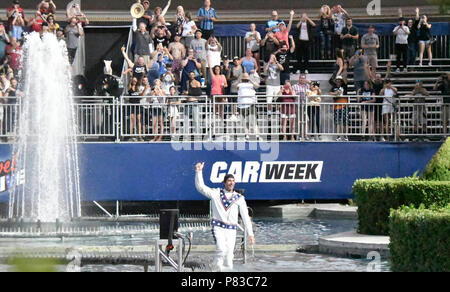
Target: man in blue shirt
(273, 24)
(207, 17)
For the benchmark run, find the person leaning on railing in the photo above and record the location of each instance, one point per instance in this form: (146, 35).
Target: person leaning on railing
(246, 105)
(158, 101)
(218, 85)
(388, 92)
(340, 109)
(133, 109)
(366, 96)
(174, 113)
(288, 111)
(191, 110)
(314, 100)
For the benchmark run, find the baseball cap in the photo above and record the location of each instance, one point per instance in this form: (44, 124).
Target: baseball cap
(16, 2)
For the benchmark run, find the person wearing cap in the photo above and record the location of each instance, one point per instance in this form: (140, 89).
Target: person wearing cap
(340, 109)
(370, 42)
(149, 17)
(273, 24)
(207, 16)
(226, 205)
(283, 33)
(14, 11)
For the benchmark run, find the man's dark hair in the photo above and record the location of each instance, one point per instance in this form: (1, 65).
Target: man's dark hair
(227, 177)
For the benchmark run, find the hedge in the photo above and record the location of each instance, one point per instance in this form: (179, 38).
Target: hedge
(420, 240)
(376, 197)
(439, 166)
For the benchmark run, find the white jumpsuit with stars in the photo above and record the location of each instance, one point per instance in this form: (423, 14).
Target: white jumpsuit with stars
(225, 211)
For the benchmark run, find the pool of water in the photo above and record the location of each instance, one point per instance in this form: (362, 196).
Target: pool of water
(268, 231)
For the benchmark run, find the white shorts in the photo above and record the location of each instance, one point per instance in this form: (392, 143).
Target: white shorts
(272, 93)
(173, 111)
(387, 109)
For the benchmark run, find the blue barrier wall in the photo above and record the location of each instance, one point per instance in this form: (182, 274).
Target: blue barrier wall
(141, 172)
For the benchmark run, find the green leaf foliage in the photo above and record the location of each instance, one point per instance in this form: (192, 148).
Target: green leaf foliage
(420, 239)
(439, 166)
(376, 197)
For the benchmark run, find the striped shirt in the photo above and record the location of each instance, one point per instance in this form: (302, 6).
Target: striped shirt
(207, 23)
(300, 90)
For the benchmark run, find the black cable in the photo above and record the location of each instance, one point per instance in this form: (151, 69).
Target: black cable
(190, 245)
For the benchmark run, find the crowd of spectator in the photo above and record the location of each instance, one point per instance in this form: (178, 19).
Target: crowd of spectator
(189, 58)
(183, 57)
(12, 37)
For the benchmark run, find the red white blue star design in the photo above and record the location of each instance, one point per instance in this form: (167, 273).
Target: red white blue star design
(227, 203)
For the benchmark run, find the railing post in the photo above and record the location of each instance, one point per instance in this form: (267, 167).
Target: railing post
(118, 114)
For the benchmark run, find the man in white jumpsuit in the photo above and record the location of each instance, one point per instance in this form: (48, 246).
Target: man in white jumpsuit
(226, 206)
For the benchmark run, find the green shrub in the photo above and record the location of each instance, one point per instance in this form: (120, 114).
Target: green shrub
(420, 240)
(439, 166)
(376, 197)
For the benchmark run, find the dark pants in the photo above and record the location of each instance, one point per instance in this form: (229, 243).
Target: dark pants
(325, 45)
(314, 119)
(207, 33)
(284, 76)
(401, 52)
(349, 50)
(71, 53)
(303, 53)
(412, 54)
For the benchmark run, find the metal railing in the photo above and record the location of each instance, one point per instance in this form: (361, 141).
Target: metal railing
(9, 111)
(234, 121)
(96, 116)
(224, 118)
(179, 117)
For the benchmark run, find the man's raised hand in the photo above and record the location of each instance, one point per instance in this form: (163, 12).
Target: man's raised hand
(199, 166)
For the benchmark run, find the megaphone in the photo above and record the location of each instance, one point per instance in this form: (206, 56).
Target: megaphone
(137, 10)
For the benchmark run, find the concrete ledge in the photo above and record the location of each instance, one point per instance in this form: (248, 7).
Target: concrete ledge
(352, 244)
(298, 211)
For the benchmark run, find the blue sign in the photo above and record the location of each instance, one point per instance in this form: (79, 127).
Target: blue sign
(267, 171)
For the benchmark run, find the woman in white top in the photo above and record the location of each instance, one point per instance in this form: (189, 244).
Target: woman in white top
(189, 29)
(158, 100)
(401, 32)
(168, 79)
(246, 105)
(179, 20)
(388, 93)
(253, 41)
(173, 109)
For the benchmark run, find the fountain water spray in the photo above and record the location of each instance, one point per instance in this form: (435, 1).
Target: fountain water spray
(46, 149)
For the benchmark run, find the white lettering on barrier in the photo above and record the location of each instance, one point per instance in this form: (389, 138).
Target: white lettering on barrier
(268, 172)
